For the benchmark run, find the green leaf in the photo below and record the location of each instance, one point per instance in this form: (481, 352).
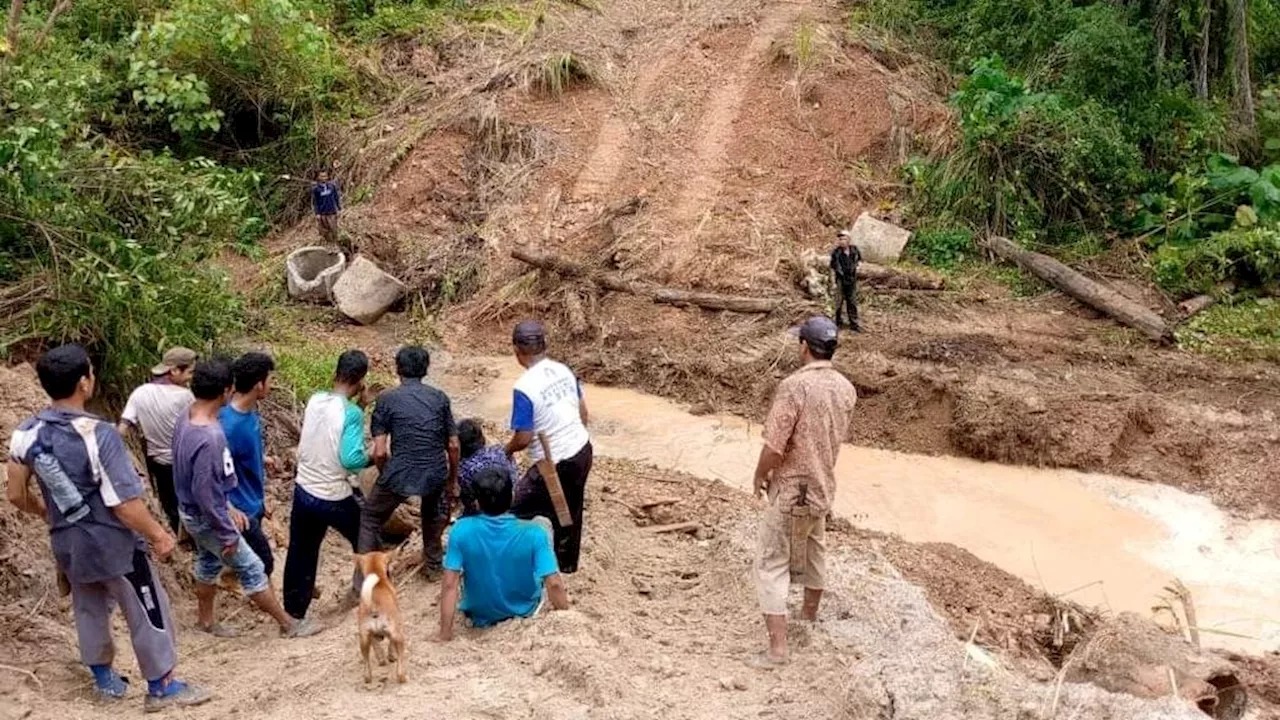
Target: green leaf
(1246, 216)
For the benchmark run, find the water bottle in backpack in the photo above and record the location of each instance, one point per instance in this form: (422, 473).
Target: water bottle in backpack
(66, 496)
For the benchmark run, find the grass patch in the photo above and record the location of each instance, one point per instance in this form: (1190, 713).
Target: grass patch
(557, 73)
(1245, 330)
(1021, 284)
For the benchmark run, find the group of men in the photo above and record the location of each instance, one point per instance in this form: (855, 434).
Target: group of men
(205, 454)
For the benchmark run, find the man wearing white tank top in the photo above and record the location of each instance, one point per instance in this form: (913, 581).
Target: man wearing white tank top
(548, 401)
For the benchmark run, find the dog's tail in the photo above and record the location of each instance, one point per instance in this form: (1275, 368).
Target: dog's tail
(366, 590)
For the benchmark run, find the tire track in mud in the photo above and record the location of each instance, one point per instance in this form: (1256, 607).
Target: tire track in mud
(715, 131)
(612, 145)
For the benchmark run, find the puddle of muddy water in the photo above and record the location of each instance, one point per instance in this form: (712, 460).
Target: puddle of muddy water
(1104, 541)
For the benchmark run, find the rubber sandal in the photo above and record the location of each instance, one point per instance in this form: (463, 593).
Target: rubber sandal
(176, 694)
(219, 630)
(301, 629)
(115, 689)
(762, 661)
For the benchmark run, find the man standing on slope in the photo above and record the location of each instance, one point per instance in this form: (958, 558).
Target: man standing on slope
(327, 201)
(203, 474)
(154, 408)
(548, 401)
(91, 497)
(807, 423)
(415, 445)
(242, 425)
(331, 451)
(844, 268)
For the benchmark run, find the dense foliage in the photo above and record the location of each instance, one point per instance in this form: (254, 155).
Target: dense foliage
(1082, 120)
(138, 138)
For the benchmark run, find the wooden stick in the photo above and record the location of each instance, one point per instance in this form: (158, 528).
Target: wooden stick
(1097, 296)
(660, 501)
(683, 527)
(22, 671)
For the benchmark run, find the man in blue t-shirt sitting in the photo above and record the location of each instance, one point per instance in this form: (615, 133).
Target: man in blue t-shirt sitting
(499, 563)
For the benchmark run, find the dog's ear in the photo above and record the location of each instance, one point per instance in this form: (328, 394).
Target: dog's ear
(360, 561)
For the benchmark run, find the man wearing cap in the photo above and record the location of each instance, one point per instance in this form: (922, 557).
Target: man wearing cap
(844, 267)
(154, 409)
(807, 423)
(548, 402)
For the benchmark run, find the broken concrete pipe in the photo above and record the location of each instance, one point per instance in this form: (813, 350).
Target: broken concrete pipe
(364, 292)
(311, 272)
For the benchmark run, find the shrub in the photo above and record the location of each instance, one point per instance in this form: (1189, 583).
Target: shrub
(118, 240)
(942, 248)
(1248, 257)
(1028, 163)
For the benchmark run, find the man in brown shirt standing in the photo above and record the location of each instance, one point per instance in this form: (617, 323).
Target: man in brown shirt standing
(807, 423)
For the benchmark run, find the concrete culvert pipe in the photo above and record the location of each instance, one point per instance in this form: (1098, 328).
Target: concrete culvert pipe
(1230, 700)
(311, 272)
(1131, 654)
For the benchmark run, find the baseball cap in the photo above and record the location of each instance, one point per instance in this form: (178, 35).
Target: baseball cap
(529, 332)
(818, 331)
(175, 357)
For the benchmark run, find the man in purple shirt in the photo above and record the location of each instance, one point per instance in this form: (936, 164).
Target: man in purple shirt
(203, 474)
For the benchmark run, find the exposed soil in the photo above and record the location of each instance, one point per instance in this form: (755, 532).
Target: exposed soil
(746, 152)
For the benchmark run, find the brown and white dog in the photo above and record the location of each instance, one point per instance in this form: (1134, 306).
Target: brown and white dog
(378, 615)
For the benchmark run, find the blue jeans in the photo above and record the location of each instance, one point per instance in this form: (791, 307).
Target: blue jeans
(209, 558)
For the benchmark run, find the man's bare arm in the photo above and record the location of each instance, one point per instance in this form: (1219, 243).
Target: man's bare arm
(135, 516)
(449, 587)
(768, 462)
(519, 441)
(19, 490)
(557, 593)
(582, 411)
(455, 457)
(381, 450)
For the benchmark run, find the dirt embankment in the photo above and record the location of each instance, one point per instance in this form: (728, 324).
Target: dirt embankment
(751, 131)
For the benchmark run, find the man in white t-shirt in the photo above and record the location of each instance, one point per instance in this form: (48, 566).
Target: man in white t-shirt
(548, 401)
(153, 409)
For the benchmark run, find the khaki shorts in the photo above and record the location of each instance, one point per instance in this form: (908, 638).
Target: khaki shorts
(773, 557)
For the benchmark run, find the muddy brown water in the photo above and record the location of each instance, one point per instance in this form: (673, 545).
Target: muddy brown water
(1104, 541)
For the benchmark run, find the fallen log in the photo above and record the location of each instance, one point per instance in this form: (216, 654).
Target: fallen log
(901, 279)
(882, 275)
(657, 293)
(1097, 296)
(1199, 303)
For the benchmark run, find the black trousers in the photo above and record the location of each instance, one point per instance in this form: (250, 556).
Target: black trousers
(257, 540)
(162, 484)
(379, 505)
(310, 521)
(532, 500)
(847, 297)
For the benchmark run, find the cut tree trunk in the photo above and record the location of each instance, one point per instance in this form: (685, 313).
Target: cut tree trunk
(1189, 307)
(657, 293)
(1097, 296)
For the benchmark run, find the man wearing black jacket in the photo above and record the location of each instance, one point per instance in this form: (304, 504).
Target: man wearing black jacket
(844, 267)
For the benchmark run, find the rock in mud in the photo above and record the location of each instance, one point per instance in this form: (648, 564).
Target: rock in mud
(364, 292)
(1132, 655)
(311, 272)
(879, 241)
